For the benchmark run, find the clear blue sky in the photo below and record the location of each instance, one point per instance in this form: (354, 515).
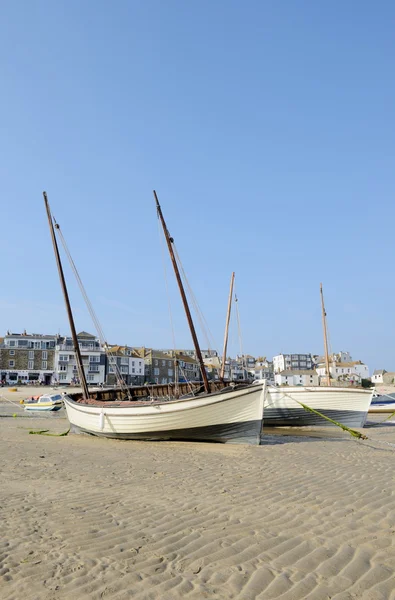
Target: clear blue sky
(267, 129)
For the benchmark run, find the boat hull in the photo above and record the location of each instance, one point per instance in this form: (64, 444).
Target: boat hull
(36, 407)
(385, 407)
(228, 417)
(348, 406)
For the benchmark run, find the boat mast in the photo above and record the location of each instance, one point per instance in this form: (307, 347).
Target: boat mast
(80, 367)
(169, 241)
(222, 372)
(328, 376)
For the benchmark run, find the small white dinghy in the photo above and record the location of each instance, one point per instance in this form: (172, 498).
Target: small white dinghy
(382, 407)
(44, 402)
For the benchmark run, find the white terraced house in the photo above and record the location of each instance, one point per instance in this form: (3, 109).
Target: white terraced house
(291, 362)
(93, 359)
(352, 371)
(306, 377)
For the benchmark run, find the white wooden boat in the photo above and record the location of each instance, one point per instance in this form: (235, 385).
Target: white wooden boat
(44, 403)
(231, 415)
(348, 406)
(383, 404)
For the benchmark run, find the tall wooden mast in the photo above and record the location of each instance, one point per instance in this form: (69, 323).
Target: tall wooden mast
(169, 241)
(80, 366)
(222, 372)
(328, 375)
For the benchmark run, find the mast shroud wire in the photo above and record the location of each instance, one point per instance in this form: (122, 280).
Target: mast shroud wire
(93, 315)
(201, 318)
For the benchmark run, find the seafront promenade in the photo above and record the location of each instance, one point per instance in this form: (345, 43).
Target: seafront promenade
(298, 517)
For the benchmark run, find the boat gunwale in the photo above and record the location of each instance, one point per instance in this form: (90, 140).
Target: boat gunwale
(81, 406)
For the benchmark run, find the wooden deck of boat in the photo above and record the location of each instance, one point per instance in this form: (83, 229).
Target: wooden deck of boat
(142, 395)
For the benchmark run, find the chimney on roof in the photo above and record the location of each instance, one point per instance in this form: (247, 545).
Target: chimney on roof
(24, 332)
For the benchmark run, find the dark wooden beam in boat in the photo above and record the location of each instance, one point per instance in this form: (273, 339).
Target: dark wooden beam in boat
(80, 367)
(169, 241)
(146, 392)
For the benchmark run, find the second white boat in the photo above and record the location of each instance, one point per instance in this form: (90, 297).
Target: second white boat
(348, 406)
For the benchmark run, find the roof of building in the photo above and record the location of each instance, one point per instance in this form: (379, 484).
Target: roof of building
(85, 334)
(379, 372)
(349, 364)
(122, 350)
(298, 372)
(151, 353)
(30, 335)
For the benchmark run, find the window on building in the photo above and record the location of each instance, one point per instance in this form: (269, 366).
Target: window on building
(133, 370)
(155, 362)
(156, 372)
(169, 363)
(11, 343)
(90, 378)
(31, 354)
(11, 364)
(62, 367)
(64, 357)
(12, 352)
(170, 372)
(139, 370)
(163, 363)
(93, 359)
(43, 365)
(164, 379)
(95, 368)
(124, 369)
(44, 355)
(62, 376)
(30, 364)
(111, 369)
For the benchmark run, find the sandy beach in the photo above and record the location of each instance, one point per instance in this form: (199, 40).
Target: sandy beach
(299, 517)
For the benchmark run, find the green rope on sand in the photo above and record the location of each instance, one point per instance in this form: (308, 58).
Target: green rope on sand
(386, 418)
(45, 432)
(352, 432)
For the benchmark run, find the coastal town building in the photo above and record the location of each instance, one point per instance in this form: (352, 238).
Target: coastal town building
(164, 367)
(27, 358)
(213, 367)
(93, 360)
(305, 377)
(352, 371)
(264, 372)
(189, 352)
(127, 362)
(283, 362)
(383, 376)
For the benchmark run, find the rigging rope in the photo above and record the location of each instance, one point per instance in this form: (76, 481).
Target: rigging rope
(99, 329)
(169, 307)
(202, 320)
(239, 331)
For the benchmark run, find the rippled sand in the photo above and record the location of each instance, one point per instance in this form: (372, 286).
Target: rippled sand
(296, 518)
